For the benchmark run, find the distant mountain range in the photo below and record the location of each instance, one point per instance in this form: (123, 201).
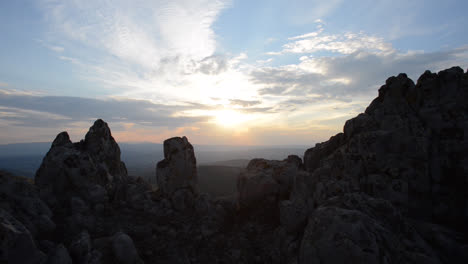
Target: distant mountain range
(141, 158)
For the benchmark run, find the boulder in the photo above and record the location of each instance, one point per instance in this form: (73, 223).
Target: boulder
(21, 199)
(124, 250)
(16, 243)
(356, 228)
(60, 256)
(80, 248)
(267, 181)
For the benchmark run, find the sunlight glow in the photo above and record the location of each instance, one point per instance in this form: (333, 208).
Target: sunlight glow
(230, 118)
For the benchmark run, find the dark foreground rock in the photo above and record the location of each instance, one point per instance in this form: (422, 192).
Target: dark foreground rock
(392, 188)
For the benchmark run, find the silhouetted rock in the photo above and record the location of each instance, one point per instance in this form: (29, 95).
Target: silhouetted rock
(80, 248)
(88, 169)
(124, 249)
(16, 243)
(178, 170)
(60, 256)
(102, 146)
(267, 180)
(20, 198)
(177, 174)
(409, 148)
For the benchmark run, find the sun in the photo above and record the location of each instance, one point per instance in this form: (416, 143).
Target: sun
(230, 118)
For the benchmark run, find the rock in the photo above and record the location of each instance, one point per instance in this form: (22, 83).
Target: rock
(78, 206)
(105, 150)
(16, 243)
(75, 177)
(60, 256)
(20, 198)
(87, 169)
(313, 156)
(267, 180)
(178, 170)
(80, 248)
(356, 228)
(408, 147)
(124, 250)
(293, 216)
(182, 199)
(177, 173)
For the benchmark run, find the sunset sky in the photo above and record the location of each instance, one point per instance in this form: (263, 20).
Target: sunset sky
(219, 72)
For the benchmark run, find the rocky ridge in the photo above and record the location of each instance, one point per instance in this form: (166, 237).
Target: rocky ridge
(392, 188)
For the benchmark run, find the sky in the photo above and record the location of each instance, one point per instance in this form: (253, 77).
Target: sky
(221, 72)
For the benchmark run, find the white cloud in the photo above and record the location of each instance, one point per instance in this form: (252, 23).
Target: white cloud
(72, 60)
(345, 44)
(307, 35)
(57, 48)
(138, 47)
(351, 75)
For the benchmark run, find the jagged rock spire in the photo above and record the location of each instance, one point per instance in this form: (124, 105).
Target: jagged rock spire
(62, 139)
(87, 169)
(101, 145)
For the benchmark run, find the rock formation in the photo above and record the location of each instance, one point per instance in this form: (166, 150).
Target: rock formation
(176, 174)
(406, 156)
(392, 188)
(267, 181)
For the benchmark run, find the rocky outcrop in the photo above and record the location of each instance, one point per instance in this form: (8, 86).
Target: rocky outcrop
(17, 244)
(19, 197)
(178, 170)
(88, 170)
(267, 181)
(176, 174)
(409, 147)
(409, 150)
(124, 250)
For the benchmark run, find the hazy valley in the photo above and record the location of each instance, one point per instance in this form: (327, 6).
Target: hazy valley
(218, 166)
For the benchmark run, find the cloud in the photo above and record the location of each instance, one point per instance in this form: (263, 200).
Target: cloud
(244, 103)
(3, 84)
(72, 60)
(40, 111)
(138, 48)
(52, 47)
(212, 65)
(57, 48)
(307, 35)
(356, 74)
(340, 43)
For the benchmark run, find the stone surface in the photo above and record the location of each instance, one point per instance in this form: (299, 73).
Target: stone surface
(80, 248)
(60, 256)
(20, 197)
(178, 170)
(124, 250)
(16, 243)
(267, 180)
